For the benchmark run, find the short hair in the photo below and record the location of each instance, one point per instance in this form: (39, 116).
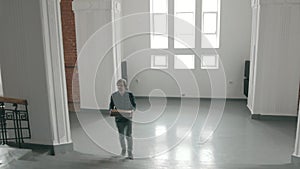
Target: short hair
(122, 81)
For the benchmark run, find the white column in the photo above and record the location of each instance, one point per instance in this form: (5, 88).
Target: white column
(116, 39)
(253, 52)
(275, 78)
(32, 66)
(55, 72)
(296, 153)
(96, 65)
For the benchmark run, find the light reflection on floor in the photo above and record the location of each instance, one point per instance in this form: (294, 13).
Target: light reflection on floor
(159, 130)
(206, 154)
(238, 139)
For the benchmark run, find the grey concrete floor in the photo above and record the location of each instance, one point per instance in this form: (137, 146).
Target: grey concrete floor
(8, 154)
(170, 130)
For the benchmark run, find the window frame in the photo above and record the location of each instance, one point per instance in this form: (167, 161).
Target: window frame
(208, 40)
(152, 26)
(217, 33)
(154, 66)
(203, 21)
(210, 67)
(185, 68)
(177, 36)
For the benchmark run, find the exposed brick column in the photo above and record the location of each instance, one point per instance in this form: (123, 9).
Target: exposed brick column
(70, 54)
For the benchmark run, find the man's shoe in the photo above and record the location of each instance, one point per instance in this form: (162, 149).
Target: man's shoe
(130, 156)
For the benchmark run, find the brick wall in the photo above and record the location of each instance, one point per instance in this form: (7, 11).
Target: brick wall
(70, 54)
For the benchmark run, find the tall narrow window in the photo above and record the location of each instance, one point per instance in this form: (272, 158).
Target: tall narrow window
(184, 24)
(159, 24)
(210, 37)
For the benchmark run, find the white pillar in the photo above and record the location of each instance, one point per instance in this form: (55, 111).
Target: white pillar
(95, 52)
(32, 67)
(296, 154)
(55, 71)
(116, 38)
(275, 33)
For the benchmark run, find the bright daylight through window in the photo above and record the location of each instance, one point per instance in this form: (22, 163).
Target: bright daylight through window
(159, 24)
(159, 62)
(185, 32)
(184, 24)
(184, 62)
(210, 37)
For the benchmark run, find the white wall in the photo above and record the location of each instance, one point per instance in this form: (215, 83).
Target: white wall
(277, 71)
(95, 54)
(234, 50)
(23, 65)
(33, 67)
